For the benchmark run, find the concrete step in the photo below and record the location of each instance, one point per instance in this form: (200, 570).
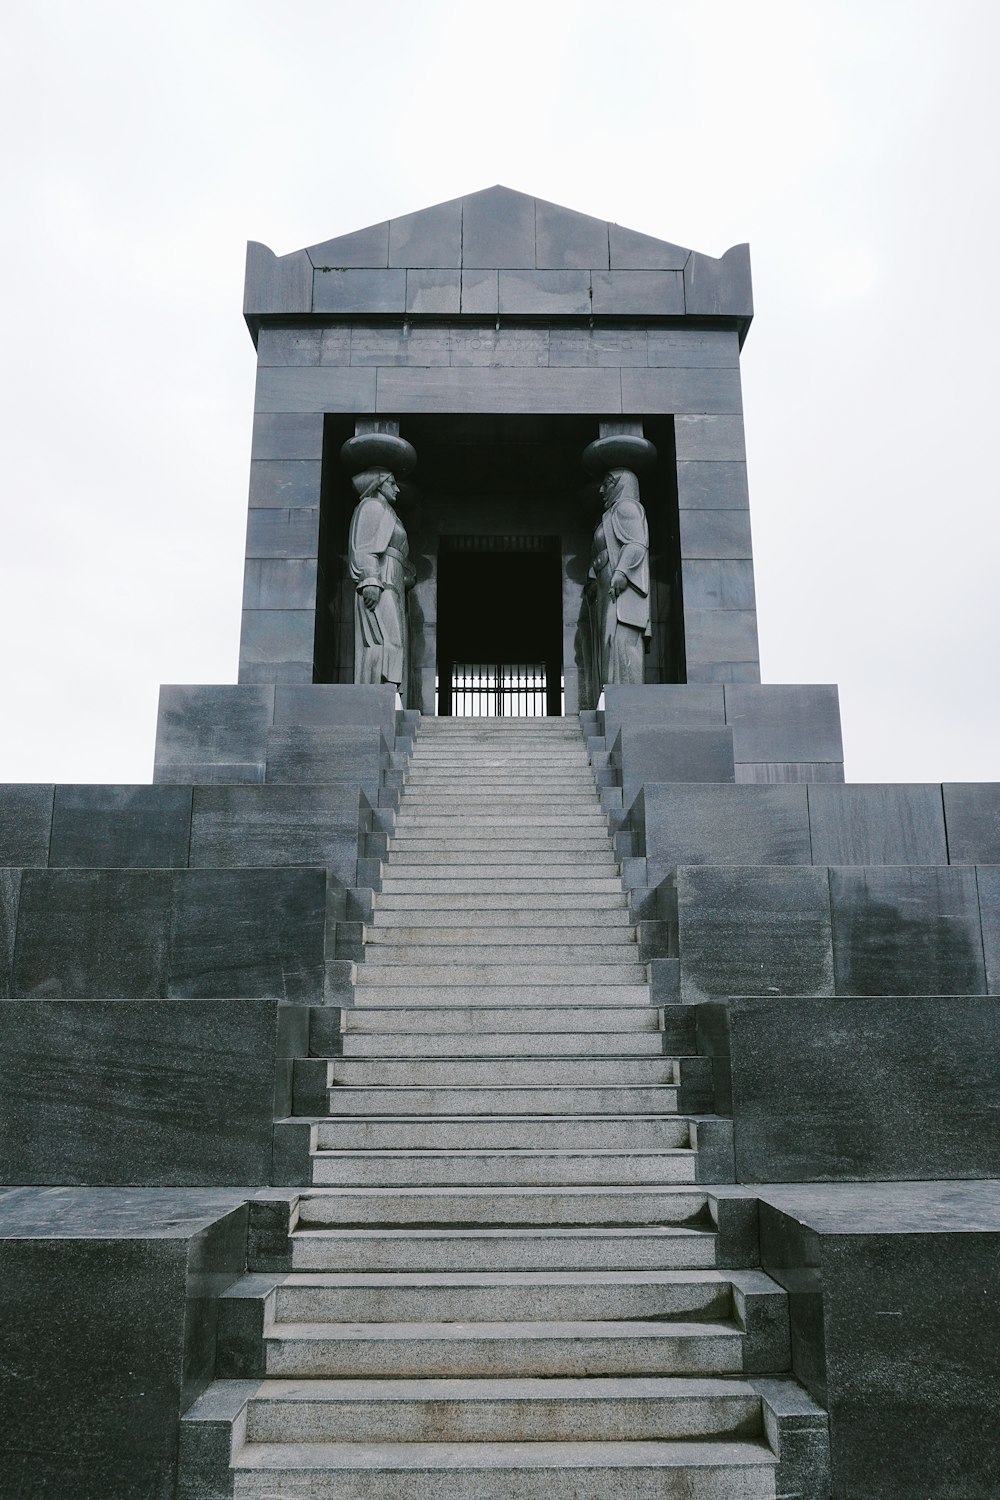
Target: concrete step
(417, 1021)
(544, 1099)
(449, 798)
(707, 1470)
(484, 1072)
(501, 955)
(475, 779)
(504, 1132)
(552, 1248)
(387, 1043)
(382, 995)
(495, 1297)
(584, 819)
(502, 1348)
(416, 916)
(531, 971)
(497, 842)
(524, 1410)
(516, 861)
(419, 899)
(508, 1206)
(476, 1168)
(507, 934)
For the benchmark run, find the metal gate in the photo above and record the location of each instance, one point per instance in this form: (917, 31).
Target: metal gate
(498, 690)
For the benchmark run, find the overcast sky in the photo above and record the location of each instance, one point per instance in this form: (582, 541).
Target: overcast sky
(853, 144)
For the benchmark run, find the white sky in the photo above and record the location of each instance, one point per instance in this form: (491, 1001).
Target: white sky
(853, 144)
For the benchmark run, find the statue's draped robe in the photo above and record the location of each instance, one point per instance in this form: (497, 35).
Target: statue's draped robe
(621, 545)
(378, 555)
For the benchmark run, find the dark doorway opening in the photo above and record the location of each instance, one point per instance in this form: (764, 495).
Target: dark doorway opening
(499, 626)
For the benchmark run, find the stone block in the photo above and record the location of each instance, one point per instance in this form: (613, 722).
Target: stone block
(480, 292)
(565, 239)
(719, 288)
(631, 251)
(289, 346)
(283, 533)
(277, 825)
(691, 348)
(891, 1309)
(320, 389)
(332, 704)
(722, 825)
(785, 722)
(433, 292)
(335, 344)
(891, 824)
(681, 390)
(279, 484)
(273, 637)
(664, 753)
(279, 583)
(629, 294)
(524, 347)
(719, 439)
(679, 705)
(594, 347)
(132, 827)
(499, 390)
(25, 823)
(498, 229)
(93, 933)
(212, 724)
(193, 1079)
(713, 534)
(972, 819)
(429, 237)
(988, 886)
(359, 292)
(554, 292)
(718, 639)
(321, 754)
(109, 1313)
(248, 933)
(901, 930)
(276, 283)
(420, 345)
(10, 895)
(210, 773)
(712, 583)
(857, 1089)
(753, 930)
(287, 435)
(703, 485)
(777, 772)
(363, 248)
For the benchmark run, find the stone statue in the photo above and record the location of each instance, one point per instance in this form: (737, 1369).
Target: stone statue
(378, 555)
(620, 570)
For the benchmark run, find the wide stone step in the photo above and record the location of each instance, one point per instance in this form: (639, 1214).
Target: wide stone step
(525, 1410)
(476, 1168)
(460, 819)
(509, 972)
(425, 1020)
(492, 955)
(493, 1297)
(553, 1248)
(451, 798)
(435, 863)
(496, 842)
(382, 995)
(420, 899)
(469, 778)
(543, 1099)
(483, 1072)
(501, 1205)
(505, 933)
(388, 1043)
(552, 885)
(504, 1132)
(503, 1348)
(709, 1470)
(417, 916)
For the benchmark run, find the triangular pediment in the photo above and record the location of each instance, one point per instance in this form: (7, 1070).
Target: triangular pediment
(497, 229)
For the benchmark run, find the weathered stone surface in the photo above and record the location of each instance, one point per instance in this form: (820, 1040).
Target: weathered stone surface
(135, 827)
(209, 724)
(892, 824)
(662, 754)
(778, 722)
(972, 816)
(25, 823)
(277, 825)
(907, 931)
(720, 825)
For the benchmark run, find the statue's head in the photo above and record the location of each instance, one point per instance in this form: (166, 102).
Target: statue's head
(619, 484)
(371, 482)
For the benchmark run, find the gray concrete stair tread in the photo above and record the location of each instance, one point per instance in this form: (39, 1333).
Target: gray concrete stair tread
(629, 1328)
(707, 1276)
(455, 901)
(491, 953)
(386, 1043)
(387, 994)
(346, 1101)
(490, 918)
(554, 885)
(510, 934)
(391, 1153)
(526, 1019)
(500, 1248)
(507, 973)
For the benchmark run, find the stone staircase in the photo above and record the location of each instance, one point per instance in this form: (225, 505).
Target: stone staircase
(504, 1279)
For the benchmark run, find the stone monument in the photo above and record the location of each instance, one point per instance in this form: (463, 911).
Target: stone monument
(499, 1054)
